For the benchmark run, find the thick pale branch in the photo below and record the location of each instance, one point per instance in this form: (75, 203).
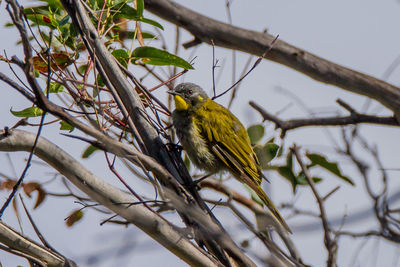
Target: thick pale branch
(29, 248)
(107, 195)
(221, 34)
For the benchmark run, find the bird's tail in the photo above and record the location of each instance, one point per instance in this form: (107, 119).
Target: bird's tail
(261, 194)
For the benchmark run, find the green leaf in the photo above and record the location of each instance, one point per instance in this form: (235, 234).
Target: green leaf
(253, 195)
(287, 173)
(289, 160)
(332, 167)
(28, 112)
(272, 149)
(89, 151)
(152, 22)
(66, 126)
(281, 150)
(154, 56)
(127, 12)
(73, 31)
(271, 140)
(55, 88)
(82, 69)
(118, 2)
(256, 132)
(40, 19)
(122, 56)
(54, 4)
(54, 42)
(301, 179)
(43, 10)
(100, 81)
(145, 35)
(139, 8)
(95, 92)
(63, 21)
(64, 34)
(93, 4)
(266, 153)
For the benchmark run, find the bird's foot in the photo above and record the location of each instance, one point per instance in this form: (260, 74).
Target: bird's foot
(195, 183)
(173, 146)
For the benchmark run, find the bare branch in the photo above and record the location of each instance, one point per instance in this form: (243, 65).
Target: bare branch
(16, 86)
(330, 243)
(353, 118)
(261, 215)
(30, 249)
(389, 226)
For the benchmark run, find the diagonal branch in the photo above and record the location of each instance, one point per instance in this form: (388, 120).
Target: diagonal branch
(27, 248)
(107, 195)
(208, 30)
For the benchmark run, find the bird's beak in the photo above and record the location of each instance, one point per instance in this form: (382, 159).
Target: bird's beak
(172, 93)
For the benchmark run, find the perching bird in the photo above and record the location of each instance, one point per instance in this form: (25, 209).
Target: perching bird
(215, 140)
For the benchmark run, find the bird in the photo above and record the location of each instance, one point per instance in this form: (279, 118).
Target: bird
(215, 140)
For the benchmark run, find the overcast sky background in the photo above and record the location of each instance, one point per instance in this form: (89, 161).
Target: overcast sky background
(362, 35)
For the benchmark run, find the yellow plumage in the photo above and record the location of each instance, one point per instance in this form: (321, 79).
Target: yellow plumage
(216, 140)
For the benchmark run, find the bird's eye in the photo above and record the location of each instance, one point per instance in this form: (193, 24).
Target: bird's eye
(189, 92)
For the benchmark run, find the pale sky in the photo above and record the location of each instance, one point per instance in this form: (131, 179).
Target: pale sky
(362, 35)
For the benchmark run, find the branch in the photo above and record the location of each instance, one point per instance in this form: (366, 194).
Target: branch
(330, 243)
(107, 195)
(263, 218)
(389, 227)
(24, 247)
(211, 230)
(353, 118)
(206, 30)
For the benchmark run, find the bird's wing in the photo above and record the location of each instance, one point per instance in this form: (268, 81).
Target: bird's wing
(230, 142)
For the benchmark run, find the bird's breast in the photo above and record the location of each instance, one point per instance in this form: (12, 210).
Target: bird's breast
(192, 141)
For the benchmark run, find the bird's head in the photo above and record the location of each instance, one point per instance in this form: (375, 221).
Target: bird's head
(188, 96)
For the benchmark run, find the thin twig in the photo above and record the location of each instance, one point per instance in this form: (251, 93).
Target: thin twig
(251, 69)
(28, 164)
(40, 236)
(214, 66)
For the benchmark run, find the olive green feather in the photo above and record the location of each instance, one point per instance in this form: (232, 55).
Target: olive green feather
(216, 140)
